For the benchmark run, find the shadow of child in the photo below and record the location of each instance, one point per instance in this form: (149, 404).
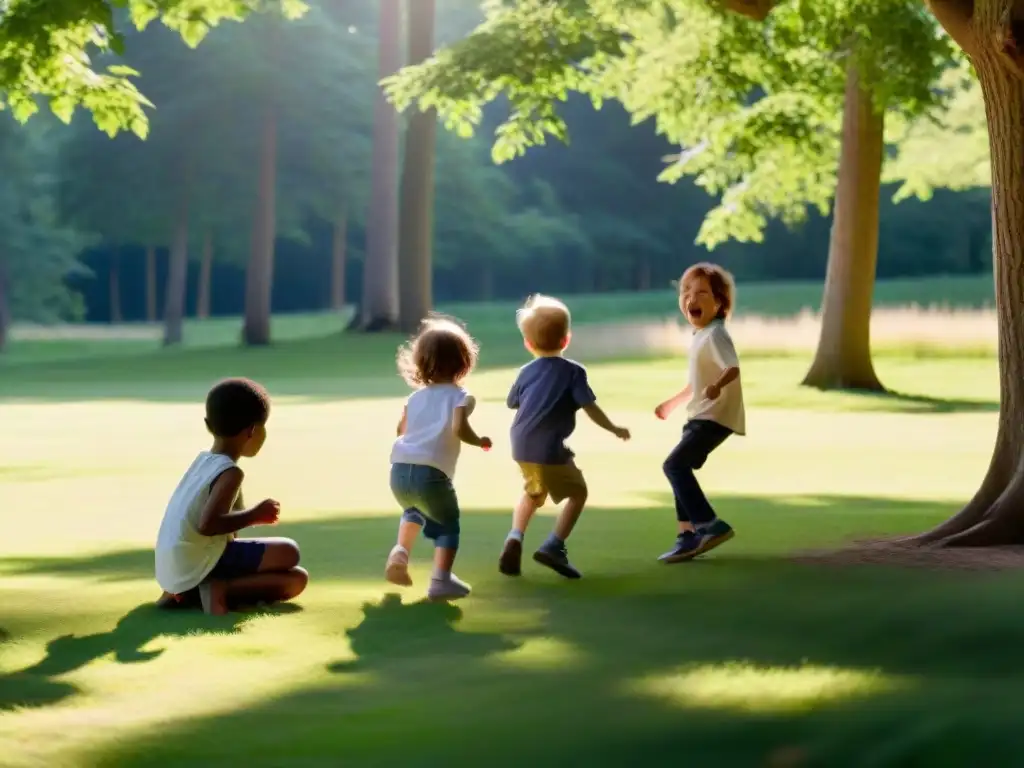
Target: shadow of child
(390, 631)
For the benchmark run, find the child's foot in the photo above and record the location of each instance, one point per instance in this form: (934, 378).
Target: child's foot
(715, 533)
(689, 544)
(397, 569)
(686, 547)
(167, 600)
(214, 597)
(450, 588)
(556, 557)
(511, 561)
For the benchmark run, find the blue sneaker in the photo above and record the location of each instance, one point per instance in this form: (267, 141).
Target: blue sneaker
(712, 535)
(687, 547)
(557, 559)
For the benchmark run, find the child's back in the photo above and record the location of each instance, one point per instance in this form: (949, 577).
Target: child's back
(429, 438)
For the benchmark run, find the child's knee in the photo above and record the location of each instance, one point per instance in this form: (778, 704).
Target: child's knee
(297, 579)
(281, 555)
(414, 516)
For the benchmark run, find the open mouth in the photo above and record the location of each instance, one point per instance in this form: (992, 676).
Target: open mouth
(695, 312)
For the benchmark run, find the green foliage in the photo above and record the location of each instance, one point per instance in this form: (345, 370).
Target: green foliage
(39, 252)
(51, 50)
(755, 106)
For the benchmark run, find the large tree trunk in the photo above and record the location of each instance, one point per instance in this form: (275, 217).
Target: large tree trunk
(339, 249)
(259, 276)
(5, 306)
(379, 304)
(177, 273)
(114, 286)
(416, 293)
(205, 268)
(994, 41)
(151, 311)
(843, 358)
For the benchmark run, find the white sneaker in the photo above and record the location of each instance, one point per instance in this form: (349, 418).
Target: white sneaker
(397, 569)
(452, 588)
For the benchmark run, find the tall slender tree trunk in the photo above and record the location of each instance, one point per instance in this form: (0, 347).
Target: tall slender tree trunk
(114, 287)
(379, 304)
(203, 287)
(151, 310)
(5, 306)
(995, 41)
(843, 358)
(416, 230)
(339, 250)
(260, 273)
(177, 272)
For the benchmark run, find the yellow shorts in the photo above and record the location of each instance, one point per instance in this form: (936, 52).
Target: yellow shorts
(559, 481)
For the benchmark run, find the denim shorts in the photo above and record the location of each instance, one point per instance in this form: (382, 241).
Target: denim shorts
(427, 497)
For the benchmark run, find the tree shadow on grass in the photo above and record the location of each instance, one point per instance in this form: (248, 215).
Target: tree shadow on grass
(126, 642)
(904, 402)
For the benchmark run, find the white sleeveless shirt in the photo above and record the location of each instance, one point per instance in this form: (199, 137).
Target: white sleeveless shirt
(184, 556)
(428, 437)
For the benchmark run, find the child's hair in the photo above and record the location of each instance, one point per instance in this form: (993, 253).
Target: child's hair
(441, 352)
(234, 405)
(544, 322)
(723, 287)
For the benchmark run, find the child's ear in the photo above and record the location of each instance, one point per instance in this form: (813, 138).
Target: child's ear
(567, 339)
(528, 345)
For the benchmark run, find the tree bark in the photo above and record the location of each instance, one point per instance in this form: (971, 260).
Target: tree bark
(5, 306)
(177, 272)
(992, 36)
(339, 250)
(416, 231)
(259, 276)
(203, 287)
(151, 311)
(379, 303)
(843, 357)
(114, 286)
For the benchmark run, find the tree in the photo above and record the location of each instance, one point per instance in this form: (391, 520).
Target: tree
(752, 100)
(415, 224)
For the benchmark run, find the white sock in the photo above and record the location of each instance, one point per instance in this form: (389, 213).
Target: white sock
(441, 575)
(516, 534)
(398, 549)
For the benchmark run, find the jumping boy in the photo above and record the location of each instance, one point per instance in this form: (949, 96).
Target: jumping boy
(197, 554)
(714, 398)
(546, 395)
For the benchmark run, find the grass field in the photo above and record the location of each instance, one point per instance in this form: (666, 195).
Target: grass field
(746, 659)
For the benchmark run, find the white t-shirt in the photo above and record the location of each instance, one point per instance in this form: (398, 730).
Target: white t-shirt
(428, 437)
(711, 352)
(184, 556)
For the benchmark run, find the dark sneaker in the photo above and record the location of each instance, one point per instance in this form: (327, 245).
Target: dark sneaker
(713, 535)
(687, 547)
(511, 561)
(557, 559)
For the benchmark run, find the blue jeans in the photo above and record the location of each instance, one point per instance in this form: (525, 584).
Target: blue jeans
(700, 437)
(427, 497)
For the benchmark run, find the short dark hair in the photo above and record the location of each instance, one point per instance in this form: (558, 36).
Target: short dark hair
(234, 405)
(442, 351)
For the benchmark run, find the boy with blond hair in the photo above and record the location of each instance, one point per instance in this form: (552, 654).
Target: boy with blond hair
(546, 395)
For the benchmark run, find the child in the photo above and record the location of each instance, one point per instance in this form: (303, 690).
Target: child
(715, 407)
(197, 553)
(546, 395)
(434, 424)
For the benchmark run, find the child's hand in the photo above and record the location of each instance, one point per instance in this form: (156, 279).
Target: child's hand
(712, 391)
(622, 433)
(267, 512)
(663, 410)
(485, 443)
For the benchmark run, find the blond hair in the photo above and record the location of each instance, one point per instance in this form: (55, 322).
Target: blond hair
(721, 282)
(544, 322)
(442, 351)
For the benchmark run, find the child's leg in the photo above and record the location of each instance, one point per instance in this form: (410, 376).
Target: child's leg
(397, 569)
(533, 498)
(440, 507)
(564, 481)
(254, 571)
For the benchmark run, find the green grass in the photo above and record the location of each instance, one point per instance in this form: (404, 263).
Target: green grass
(740, 660)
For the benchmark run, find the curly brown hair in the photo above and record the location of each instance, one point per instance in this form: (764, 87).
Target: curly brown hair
(723, 286)
(442, 352)
(545, 323)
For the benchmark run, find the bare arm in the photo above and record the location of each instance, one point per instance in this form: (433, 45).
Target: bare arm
(728, 376)
(599, 417)
(218, 518)
(461, 426)
(681, 397)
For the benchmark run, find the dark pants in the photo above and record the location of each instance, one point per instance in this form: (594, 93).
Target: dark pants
(700, 438)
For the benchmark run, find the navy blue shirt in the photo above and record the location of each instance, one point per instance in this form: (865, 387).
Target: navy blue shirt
(546, 395)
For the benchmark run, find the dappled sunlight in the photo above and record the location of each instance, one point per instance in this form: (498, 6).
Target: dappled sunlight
(750, 688)
(541, 653)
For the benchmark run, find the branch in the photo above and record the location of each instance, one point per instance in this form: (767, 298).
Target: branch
(955, 16)
(757, 10)
(1011, 38)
